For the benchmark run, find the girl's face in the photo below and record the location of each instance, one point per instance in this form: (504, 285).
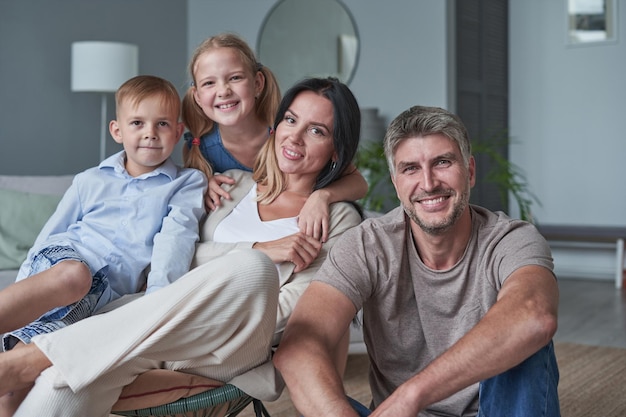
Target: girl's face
(225, 88)
(149, 131)
(304, 137)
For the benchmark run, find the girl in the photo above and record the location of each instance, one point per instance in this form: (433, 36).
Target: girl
(229, 110)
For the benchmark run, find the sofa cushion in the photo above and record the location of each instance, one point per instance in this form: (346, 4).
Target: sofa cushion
(37, 184)
(22, 215)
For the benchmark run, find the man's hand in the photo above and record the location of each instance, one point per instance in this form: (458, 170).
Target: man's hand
(401, 403)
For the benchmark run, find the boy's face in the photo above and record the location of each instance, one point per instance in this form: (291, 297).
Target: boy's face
(148, 131)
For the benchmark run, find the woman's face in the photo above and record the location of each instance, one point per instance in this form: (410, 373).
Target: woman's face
(304, 136)
(225, 87)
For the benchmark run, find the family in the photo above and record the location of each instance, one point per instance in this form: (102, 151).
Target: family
(255, 256)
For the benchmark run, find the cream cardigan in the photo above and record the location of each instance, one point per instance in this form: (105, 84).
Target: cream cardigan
(342, 217)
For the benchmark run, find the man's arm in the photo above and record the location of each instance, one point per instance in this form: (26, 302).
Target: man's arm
(521, 322)
(306, 355)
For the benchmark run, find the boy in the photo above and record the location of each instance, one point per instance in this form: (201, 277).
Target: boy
(136, 209)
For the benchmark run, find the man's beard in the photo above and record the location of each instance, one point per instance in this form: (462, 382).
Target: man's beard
(444, 225)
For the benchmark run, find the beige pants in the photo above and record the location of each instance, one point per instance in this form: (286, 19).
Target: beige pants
(216, 321)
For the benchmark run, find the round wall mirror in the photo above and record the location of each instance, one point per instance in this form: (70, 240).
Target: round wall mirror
(304, 38)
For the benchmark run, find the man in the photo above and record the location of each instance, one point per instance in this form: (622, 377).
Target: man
(459, 303)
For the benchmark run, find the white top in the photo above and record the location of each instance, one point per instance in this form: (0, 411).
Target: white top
(244, 224)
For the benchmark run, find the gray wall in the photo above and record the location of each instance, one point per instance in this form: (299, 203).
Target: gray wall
(44, 127)
(47, 129)
(567, 116)
(402, 60)
(567, 120)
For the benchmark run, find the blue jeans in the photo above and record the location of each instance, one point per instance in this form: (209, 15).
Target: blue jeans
(359, 408)
(526, 390)
(59, 317)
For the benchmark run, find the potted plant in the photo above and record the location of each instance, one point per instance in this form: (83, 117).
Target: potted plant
(381, 195)
(508, 178)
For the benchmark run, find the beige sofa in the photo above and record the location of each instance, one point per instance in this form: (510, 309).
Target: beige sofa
(26, 202)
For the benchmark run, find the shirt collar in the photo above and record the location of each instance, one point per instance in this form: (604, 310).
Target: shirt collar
(116, 162)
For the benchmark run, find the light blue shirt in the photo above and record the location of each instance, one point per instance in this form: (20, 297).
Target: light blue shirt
(127, 223)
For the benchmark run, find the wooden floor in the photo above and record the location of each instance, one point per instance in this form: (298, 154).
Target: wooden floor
(591, 312)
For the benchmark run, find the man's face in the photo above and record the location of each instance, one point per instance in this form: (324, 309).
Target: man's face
(432, 182)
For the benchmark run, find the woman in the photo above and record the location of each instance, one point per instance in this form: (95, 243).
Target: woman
(222, 318)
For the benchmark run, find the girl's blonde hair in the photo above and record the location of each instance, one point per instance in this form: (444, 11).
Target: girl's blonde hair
(194, 118)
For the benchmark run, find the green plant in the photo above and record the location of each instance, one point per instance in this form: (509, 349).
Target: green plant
(507, 176)
(370, 160)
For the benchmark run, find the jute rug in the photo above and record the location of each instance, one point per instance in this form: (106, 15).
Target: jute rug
(593, 383)
(593, 380)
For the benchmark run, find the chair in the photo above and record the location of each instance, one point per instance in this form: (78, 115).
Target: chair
(224, 401)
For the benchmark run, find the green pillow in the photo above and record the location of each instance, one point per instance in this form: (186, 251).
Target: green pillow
(22, 215)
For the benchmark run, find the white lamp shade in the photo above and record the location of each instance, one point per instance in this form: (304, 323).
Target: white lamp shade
(103, 66)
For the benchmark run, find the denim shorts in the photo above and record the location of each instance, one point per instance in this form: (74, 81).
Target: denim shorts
(58, 317)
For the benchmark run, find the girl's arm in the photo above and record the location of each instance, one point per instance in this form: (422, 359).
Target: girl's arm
(215, 192)
(314, 216)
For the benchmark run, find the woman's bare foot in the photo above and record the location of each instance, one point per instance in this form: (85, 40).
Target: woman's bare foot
(20, 367)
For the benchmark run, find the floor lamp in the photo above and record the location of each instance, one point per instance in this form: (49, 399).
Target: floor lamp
(101, 67)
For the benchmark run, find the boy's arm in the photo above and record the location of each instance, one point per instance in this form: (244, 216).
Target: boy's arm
(175, 243)
(68, 212)
(314, 216)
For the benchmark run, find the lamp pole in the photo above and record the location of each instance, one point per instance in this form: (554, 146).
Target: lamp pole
(101, 67)
(103, 124)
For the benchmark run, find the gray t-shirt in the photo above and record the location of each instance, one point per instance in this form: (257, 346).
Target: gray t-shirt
(411, 313)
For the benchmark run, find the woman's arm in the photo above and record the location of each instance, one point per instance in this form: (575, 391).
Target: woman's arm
(215, 193)
(314, 216)
(343, 217)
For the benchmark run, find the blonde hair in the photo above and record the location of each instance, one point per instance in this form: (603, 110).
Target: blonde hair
(140, 87)
(267, 172)
(193, 116)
